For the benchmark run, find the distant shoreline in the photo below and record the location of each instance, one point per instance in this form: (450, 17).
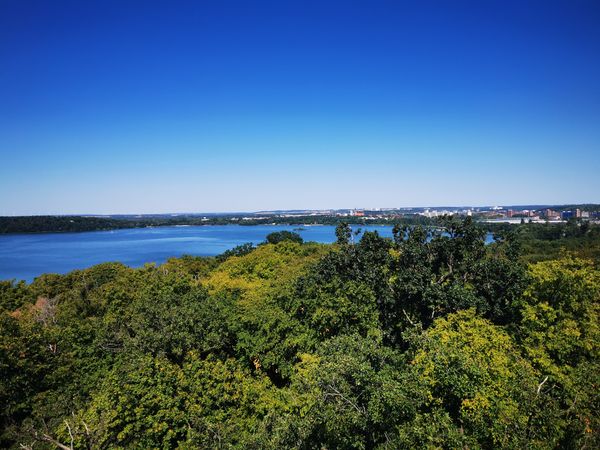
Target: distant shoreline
(187, 226)
(423, 216)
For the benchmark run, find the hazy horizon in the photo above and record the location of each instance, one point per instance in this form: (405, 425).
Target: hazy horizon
(137, 108)
(166, 213)
(126, 212)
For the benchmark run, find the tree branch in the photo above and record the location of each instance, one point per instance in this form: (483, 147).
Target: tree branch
(539, 388)
(337, 393)
(408, 318)
(48, 438)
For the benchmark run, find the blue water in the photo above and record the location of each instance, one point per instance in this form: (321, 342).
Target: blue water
(25, 256)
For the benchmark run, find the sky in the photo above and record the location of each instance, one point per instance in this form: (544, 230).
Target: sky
(113, 107)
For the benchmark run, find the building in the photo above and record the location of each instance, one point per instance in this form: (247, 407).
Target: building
(550, 214)
(566, 215)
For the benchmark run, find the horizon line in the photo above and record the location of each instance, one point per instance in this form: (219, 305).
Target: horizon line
(266, 211)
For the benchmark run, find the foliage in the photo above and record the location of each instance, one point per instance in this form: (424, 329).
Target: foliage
(60, 224)
(542, 242)
(239, 250)
(475, 373)
(280, 236)
(560, 334)
(432, 339)
(13, 294)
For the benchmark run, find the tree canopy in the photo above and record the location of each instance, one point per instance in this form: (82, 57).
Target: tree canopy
(430, 339)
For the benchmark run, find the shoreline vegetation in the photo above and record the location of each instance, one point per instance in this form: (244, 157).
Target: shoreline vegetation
(427, 339)
(69, 224)
(541, 241)
(413, 216)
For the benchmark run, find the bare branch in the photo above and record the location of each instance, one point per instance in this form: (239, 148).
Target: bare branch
(87, 430)
(539, 388)
(48, 438)
(408, 318)
(70, 433)
(337, 393)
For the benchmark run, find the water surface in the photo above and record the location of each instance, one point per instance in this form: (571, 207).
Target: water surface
(25, 256)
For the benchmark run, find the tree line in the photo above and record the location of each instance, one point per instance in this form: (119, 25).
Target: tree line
(61, 224)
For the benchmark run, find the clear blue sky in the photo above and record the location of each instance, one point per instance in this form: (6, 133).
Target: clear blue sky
(127, 107)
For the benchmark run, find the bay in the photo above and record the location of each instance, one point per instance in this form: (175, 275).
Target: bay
(26, 256)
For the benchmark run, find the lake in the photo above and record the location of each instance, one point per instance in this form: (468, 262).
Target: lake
(25, 256)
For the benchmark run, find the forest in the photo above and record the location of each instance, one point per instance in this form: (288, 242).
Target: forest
(430, 339)
(62, 224)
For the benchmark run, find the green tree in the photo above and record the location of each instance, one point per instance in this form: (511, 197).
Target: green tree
(239, 250)
(280, 236)
(474, 371)
(343, 232)
(353, 391)
(168, 317)
(560, 333)
(13, 294)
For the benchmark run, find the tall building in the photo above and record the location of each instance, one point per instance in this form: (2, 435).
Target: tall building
(550, 214)
(565, 215)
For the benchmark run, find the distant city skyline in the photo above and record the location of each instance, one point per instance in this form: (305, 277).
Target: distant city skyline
(325, 211)
(170, 107)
